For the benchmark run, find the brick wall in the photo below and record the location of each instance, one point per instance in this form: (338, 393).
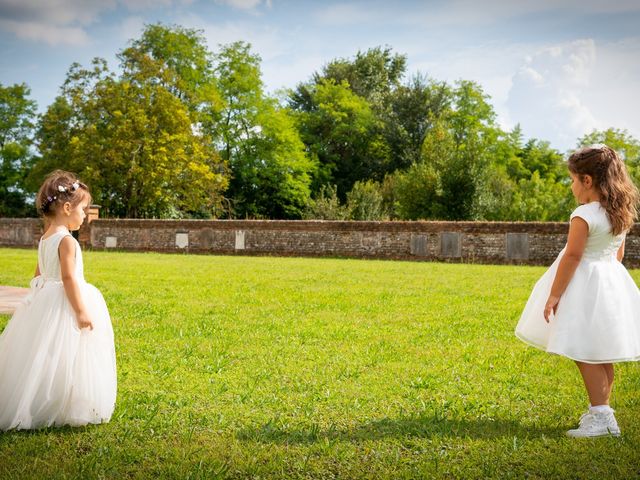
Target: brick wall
(20, 232)
(481, 242)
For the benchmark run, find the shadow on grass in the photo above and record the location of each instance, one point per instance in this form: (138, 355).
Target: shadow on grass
(64, 430)
(407, 428)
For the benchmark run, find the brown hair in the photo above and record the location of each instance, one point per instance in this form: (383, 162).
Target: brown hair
(618, 194)
(59, 188)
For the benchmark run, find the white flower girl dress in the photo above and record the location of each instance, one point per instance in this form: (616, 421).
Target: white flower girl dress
(51, 372)
(598, 317)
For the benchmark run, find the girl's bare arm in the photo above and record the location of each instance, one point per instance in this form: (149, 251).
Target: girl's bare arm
(576, 242)
(620, 254)
(67, 252)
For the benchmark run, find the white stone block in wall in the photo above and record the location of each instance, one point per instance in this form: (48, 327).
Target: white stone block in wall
(111, 242)
(182, 240)
(239, 239)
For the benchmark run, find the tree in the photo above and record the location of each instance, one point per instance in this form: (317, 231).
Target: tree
(365, 201)
(372, 75)
(326, 206)
(459, 148)
(177, 59)
(417, 192)
(17, 115)
(620, 140)
(541, 199)
(357, 90)
(342, 132)
(413, 110)
(271, 172)
(134, 142)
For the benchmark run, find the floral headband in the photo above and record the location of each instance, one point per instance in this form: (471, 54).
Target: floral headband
(62, 189)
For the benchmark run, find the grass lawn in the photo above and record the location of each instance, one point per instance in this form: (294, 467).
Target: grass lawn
(255, 367)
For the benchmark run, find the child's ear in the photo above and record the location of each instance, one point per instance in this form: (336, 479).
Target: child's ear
(66, 208)
(587, 180)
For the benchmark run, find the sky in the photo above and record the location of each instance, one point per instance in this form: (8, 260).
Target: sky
(559, 68)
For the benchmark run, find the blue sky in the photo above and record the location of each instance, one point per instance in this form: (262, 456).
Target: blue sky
(559, 68)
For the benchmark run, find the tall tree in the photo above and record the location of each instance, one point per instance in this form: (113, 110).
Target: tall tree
(468, 129)
(355, 90)
(17, 115)
(134, 142)
(271, 172)
(372, 75)
(413, 110)
(343, 133)
(179, 60)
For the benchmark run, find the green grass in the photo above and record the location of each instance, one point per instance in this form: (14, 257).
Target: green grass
(255, 367)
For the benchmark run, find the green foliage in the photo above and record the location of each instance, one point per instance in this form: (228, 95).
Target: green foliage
(541, 199)
(620, 140)
(271, 172)
(134, 143)
(524, 182)
(184, 132)
(444, 184)
(365, 202)
(326, 206)
(178, 59)
(341, 130)
(257, 367)
(342, 117)
(417, 192)
(413, 111)
(17, 115)
(372, 75)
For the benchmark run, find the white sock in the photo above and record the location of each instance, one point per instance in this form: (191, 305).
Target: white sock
(600, 409)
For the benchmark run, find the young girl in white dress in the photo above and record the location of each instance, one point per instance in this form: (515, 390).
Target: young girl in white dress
(57, 357)
(586, 306)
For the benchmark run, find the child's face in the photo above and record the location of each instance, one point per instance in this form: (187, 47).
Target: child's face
(581, 189)
(76, 215)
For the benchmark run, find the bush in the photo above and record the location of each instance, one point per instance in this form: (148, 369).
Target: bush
(365, 202)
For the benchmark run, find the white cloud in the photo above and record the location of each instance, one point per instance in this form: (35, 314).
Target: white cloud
(614, 93)
(56, 22)
(54, 12)
(549, 92)
(139, 5)
(350, 14)
(46, 33)
(460, 13)
(244, 4)
(64, 22)
(267, 41)
(494, 11)
(131, 27)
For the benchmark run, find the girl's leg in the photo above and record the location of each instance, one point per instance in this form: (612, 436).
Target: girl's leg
(597, 382)
(608, 367)
(600, 421)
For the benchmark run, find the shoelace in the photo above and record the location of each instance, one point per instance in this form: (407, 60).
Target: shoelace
(584, 419)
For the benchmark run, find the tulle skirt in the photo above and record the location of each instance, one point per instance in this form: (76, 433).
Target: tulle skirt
(597, 319)
(51, 372)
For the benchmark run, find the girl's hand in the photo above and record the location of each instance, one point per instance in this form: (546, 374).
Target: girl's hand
(84, 321)
(551, 306)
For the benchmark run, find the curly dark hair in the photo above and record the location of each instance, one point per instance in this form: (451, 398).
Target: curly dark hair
(618, 194)
(59, 188)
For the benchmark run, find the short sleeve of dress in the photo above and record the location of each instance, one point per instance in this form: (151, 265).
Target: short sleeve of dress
(584, 212)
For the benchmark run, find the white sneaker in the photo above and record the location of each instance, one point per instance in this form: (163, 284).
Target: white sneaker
(596, 425)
